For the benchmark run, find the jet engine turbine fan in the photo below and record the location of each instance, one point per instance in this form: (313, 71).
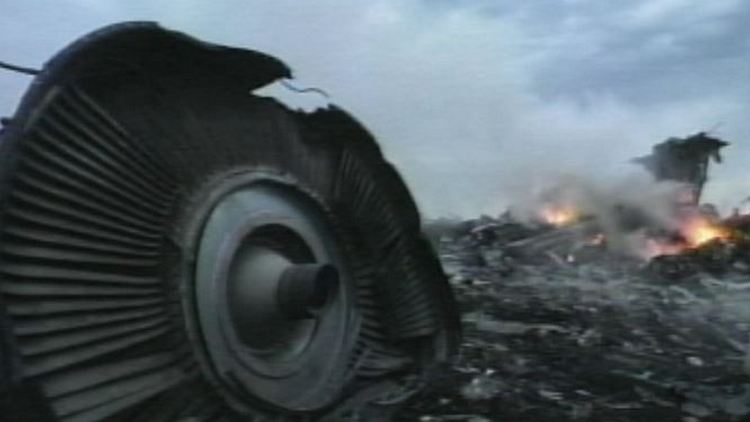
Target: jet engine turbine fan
(174, 247)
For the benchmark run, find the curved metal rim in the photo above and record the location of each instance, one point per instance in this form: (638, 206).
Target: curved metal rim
(193, 223)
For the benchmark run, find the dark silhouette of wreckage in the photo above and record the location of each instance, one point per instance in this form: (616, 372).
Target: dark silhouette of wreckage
(175, 247)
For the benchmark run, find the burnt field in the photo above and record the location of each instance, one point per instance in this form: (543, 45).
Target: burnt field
(592, 336)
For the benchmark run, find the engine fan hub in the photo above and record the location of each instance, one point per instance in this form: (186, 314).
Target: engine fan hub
(272, 297)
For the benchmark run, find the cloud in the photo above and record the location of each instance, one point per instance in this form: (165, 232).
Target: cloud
(474, 101)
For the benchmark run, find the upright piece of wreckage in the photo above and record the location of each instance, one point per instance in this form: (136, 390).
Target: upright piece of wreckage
(174, 247)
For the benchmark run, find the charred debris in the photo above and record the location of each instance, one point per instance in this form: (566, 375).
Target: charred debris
(694, 238)
(561, 324)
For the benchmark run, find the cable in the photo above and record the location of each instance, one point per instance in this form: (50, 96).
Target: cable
(291, 87)
(19, 69)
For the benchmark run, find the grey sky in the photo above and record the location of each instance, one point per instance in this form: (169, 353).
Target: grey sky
(477, 102)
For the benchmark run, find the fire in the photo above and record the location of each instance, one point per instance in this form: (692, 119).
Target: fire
(699, 231)
(560, 215)
(695, 232)
(654, 248)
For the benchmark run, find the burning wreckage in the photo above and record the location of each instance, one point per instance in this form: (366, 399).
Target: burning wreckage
(178, 248)
(613, 314)
(564, 231)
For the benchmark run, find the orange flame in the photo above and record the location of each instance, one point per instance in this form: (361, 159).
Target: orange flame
(560, 215)
(698, 231)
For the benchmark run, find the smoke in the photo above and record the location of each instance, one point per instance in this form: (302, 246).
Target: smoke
(624, 208)
(474, 106)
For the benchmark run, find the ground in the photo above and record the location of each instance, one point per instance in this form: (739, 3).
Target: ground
(606, 340)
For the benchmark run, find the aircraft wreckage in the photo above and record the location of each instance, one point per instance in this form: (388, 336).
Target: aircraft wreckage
(175, 247)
